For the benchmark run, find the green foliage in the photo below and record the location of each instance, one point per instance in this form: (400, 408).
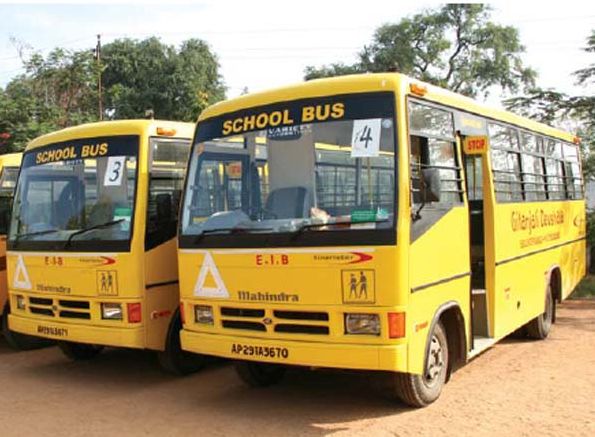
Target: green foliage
(456, 47)
(61, 89)
(149, 75)
(55, 92)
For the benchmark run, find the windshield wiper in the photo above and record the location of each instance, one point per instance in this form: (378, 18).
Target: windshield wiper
(232, 230)
(299, 231)
(30, 234)
(90, 228)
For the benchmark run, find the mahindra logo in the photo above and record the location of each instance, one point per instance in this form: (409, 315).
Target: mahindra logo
(267, 321)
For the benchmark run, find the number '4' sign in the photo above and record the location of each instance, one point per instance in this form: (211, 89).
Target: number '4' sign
(365, 139)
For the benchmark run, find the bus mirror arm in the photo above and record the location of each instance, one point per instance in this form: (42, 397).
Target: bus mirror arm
(430, 188)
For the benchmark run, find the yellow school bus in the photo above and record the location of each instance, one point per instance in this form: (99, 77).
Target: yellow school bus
(91, 248)
(396, 227)
(9, 170)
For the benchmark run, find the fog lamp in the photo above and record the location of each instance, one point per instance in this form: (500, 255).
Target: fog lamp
(203, 314)
(20, 302)
(357, 323)
(111, 311)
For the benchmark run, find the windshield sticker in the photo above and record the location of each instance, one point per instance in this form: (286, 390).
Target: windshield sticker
(365, 140)
(209, 282)
(123, 214)
(363, 215)
(21, 276)
(286, 133)
(115, 170)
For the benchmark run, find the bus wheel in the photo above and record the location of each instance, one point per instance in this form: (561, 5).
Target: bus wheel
(540, 326)
(79, 351)
(18, 341)
(422, 390)
(259, 374)
(173, 359)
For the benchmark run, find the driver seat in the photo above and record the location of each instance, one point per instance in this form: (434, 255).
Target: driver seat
(289, 202)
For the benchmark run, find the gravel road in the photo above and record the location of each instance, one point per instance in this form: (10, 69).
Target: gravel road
(518, 387)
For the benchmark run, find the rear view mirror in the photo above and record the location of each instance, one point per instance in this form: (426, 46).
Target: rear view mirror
(431, 186)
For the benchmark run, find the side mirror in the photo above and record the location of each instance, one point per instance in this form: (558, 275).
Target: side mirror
(431, 186)
(164, 208)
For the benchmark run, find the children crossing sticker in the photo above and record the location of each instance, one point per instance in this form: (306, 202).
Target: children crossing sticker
(209, 282)
(21, 276)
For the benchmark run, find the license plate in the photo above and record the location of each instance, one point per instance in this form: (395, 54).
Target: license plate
(259, 351)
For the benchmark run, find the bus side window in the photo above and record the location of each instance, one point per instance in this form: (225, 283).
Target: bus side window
(433, 145)
(168, 166)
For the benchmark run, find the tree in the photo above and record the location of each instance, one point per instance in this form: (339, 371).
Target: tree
(455, 47)
(149, 75)
(553, 107)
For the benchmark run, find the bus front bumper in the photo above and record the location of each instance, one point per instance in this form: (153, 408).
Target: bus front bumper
(301, 353)
(78, 333)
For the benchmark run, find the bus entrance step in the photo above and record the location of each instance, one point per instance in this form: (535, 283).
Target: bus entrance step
(480, 344)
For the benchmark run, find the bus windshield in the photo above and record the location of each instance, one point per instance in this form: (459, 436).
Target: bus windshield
(335, 175)
(80, 191)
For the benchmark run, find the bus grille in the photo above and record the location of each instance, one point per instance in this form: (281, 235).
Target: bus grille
(60, 308)
(275, 321)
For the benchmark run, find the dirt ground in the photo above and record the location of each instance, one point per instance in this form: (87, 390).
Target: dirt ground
(516, 388)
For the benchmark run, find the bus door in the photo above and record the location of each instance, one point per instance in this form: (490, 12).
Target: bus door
(473, 135)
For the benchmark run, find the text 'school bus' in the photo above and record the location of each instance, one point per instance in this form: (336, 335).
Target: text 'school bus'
(395, 227)
(91, 248)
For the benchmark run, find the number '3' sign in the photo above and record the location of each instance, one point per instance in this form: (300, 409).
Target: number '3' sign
(116, 165)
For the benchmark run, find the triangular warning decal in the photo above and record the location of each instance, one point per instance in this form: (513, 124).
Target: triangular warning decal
(209, 273)
(21, 276)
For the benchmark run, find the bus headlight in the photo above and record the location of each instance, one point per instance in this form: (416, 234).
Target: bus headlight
(20, 302)
(358, 323)
(111, 311)
(203, 314)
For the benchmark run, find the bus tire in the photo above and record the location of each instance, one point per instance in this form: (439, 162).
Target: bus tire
(259, 374)
(173, 359)
(421, 390)
(79, 351)
(18, 341)
(540, 326)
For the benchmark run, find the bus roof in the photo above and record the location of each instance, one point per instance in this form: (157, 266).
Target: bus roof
(11, 160)
(378, 82)
(118, 127)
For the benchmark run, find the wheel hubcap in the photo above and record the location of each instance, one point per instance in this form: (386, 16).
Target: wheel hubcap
(435, 361)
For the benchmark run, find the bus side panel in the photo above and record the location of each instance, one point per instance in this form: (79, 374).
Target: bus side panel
(533, 238)
(439, 273)
(162, 292)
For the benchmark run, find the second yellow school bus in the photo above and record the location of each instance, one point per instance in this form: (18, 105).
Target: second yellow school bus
(394, 226)
(91, 248)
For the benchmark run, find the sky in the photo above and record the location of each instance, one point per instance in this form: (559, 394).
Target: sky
(262, 44)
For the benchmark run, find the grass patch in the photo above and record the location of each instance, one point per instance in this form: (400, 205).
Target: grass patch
(585, 288)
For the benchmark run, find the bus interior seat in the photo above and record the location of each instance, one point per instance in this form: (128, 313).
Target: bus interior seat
(289, 202)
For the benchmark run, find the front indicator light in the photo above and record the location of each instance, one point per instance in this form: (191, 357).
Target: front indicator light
(203, 314)
(20, 302)
(396, 325)
(111, 311)
(134, 312)
(358, 323)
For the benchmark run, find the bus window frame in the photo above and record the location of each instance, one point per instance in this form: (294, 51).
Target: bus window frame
(77, 245)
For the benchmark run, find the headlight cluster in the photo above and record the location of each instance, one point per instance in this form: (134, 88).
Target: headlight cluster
(360, 323)
(111, 311)
(203, 314)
